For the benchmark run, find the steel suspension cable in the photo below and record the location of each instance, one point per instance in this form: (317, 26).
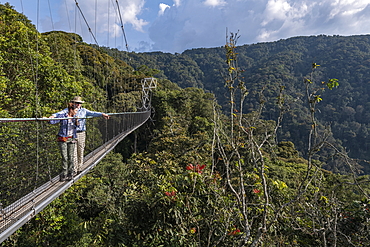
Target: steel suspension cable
(96, 7)
(37, 97)
(87, 24)
(107, 63)
(69, 22)
(123, 30)
(51, 15)
(124, 124)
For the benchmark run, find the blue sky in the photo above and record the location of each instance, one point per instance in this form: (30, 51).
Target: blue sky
(178, 25)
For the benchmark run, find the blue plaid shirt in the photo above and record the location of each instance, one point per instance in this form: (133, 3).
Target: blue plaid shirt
(63, 130)
(82, 113)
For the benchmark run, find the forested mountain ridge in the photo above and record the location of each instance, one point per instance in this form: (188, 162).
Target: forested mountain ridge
(287, 62)
(65, 66)
(192, 176)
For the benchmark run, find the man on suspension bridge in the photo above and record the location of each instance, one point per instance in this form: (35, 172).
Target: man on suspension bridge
(81, 115)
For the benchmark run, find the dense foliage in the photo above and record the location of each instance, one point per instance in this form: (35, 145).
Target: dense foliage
(286, 63)
(193, 175)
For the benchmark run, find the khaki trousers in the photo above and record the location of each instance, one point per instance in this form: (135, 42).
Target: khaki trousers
(79, 151)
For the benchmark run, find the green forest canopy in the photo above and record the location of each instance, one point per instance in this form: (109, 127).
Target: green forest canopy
(286, 63)
(188, 183)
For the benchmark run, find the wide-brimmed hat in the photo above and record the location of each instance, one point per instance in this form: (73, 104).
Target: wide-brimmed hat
(77, 99)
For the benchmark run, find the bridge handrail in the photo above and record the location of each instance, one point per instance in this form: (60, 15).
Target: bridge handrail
(18, 213)
(5, 120)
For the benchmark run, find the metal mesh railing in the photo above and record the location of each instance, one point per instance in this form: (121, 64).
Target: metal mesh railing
(30, 162)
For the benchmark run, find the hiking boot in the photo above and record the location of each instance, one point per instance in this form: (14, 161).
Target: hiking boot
(62, 178)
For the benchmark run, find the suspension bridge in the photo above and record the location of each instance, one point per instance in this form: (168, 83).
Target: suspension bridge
(29, 184)
(29, 155)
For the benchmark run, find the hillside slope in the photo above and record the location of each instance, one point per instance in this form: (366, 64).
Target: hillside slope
(287, 62)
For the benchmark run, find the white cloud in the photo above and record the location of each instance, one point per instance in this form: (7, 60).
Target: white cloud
(131, 10)
(214, 3)
(192, 25)
(106, 15)
(177, 2)
(184, 24)
(347, 7)
(276, 9)
(162, 8)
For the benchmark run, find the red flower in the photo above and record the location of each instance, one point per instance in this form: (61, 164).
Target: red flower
(170, 194)
(233, 233)
(190, 167)
(256, 191)
(196, 168)
(199, 168)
